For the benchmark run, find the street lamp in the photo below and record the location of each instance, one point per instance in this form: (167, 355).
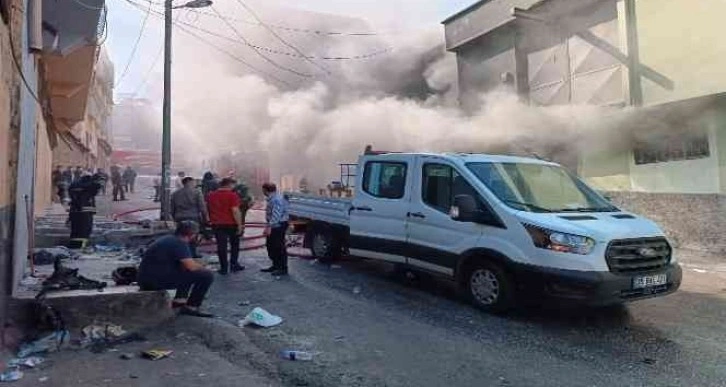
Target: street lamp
(166, 111)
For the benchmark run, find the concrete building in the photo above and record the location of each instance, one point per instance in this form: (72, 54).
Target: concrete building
(47, 56)
(661, 60)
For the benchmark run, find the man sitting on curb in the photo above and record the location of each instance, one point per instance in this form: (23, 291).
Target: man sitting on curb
(168, 264)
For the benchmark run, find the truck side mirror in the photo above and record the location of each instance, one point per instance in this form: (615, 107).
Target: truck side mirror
(464, 209)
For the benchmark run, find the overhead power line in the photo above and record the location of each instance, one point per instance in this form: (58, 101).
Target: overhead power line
(136, 45)
(287, 28)
(286, 53)
(222, 50)
(281, 39)
(90, 7)
(257, 51)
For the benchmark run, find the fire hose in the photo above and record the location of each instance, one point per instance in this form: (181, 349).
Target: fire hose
(209, 242)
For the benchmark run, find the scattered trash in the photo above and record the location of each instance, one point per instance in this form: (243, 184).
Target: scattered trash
(700, 271)
(46, 344)
(339, 338)
(126, 356)
(30, 281)
(244, 303)
(28, 362)
(11, 375)
(297, 355)
(356, 290)
(43, 379)
(64, 278)
(132, 376)
(261, 317)
(156, 354)
(649, 361)
(125, 275)
(108, 249)
(49, 255)
(100, 337)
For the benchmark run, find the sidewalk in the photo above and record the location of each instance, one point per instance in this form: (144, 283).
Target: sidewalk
(206, 352)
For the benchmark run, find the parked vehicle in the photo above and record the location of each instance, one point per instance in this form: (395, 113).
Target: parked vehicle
(498, 225)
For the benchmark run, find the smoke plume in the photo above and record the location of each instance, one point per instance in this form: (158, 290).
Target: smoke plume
(403, 100)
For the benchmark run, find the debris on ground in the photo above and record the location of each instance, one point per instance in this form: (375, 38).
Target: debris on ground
(156, 354)
(356, 290)
(99, 337)
(43, 379)
(11, 375)
(50, 343)
(296, 355)
(64, 278)
(108, 248)
(245, 303)
(48, 255)
(125, 275)
(261, 317)
(28, 362)
(126, 356)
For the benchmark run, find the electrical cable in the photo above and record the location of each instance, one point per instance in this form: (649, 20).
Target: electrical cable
(261, 55)
(281, 39)
(222, 50)
(286, 53)
(291, 29)
(135, 47)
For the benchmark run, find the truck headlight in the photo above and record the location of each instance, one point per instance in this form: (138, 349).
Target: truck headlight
(560, 241)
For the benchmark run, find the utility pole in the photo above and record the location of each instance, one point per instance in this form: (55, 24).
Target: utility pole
(166, 120)
(166, 110)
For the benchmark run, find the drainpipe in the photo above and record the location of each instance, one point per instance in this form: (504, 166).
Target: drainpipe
(635, 85)
(35, 26)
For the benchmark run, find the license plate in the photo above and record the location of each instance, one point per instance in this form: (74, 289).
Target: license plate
(647, 281)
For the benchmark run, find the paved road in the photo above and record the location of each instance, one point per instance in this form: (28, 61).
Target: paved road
(369, 327)
(372, 328)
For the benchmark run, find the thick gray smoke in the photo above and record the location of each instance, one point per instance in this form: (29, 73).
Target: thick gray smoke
(404, 100)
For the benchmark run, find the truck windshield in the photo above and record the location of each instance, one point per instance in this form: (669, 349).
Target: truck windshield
(539, 188)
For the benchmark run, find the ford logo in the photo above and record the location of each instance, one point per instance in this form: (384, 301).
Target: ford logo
(647, 252)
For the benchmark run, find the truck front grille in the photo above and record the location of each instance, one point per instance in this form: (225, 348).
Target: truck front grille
(638, 255)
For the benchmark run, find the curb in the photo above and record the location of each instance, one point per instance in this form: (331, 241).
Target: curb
(230, 342)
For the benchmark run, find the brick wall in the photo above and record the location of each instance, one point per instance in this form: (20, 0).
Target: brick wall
(691, 220)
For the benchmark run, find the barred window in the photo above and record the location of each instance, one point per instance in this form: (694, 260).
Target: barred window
(672, 149)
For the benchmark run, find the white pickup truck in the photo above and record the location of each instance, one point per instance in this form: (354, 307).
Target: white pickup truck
(499, 226)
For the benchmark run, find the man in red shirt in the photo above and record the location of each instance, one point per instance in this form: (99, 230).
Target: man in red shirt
(226, 220)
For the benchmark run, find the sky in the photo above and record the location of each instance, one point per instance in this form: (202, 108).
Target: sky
(133, 68)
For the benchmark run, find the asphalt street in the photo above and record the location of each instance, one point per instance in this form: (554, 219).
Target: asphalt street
(370, 327)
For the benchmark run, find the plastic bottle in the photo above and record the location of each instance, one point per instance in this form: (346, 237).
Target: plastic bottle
(297, 355)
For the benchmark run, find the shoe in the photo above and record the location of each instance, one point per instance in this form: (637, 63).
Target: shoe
(269, 269)
(278, 273)
(177, 305)
(187, 311)
(222, 272)
(235, 269)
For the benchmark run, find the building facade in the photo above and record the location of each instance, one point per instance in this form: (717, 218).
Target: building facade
(47, 52)
(654, 63)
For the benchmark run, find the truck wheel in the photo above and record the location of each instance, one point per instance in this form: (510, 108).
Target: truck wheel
(489, 287)
(323, 244)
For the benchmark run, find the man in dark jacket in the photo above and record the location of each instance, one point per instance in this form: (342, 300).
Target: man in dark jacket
(129, 178)
(168, 264)
(187, 204)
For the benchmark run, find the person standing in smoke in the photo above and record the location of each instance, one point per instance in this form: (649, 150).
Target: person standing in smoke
(117, 183)
(129, 178)
(209, 183)
(277, 217)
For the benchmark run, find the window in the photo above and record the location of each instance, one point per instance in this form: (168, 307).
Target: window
(672, 149)
(441, 183)
(385, 179)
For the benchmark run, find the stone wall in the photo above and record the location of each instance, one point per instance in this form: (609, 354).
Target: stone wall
(693, 221)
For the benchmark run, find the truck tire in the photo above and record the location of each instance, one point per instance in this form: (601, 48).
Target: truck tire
(323, 244)
(489, 287)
